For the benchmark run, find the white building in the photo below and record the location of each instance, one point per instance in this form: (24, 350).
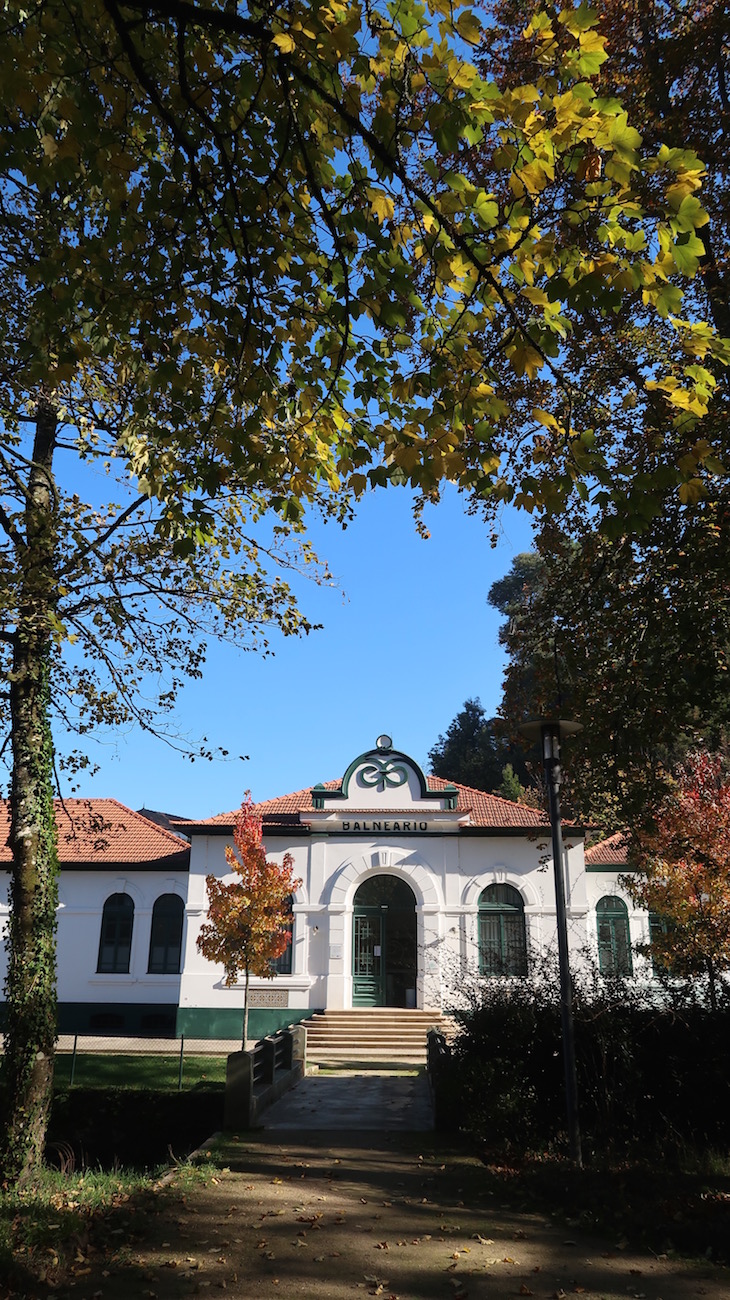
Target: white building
(122, 893)
(405, 879)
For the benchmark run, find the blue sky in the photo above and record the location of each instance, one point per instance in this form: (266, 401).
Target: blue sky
(407, 637)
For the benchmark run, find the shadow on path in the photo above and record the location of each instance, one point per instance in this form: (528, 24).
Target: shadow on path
(331, 1214)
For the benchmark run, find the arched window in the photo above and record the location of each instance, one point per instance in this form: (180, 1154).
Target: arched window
(614, 946)
(166, 935)
(283, 965)
(115, 943)
(502, 935)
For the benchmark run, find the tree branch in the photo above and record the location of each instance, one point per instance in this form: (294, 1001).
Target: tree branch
(73, 562)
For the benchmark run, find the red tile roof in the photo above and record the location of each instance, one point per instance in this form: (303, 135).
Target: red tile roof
(486, 809)
(102, 832)
(611, 852)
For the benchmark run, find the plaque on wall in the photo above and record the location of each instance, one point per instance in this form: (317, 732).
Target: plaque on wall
(268, 998)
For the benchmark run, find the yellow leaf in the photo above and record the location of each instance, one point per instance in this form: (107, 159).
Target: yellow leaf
(285, 42)
(545, 418)
(525, 359)
(381, 206)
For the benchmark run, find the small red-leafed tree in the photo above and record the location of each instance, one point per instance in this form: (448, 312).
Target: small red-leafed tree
(684, 873)
(249, 919)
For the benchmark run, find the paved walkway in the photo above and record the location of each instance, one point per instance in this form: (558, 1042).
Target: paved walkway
(364, 1101)
(335, 1215)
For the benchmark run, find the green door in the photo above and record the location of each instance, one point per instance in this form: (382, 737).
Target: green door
(384, 943)
(368, 958)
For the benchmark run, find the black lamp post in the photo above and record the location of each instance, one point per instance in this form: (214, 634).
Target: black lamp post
(551, 732)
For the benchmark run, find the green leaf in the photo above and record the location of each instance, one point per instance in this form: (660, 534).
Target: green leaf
(686, 251)
(580, 19)
(690, 215)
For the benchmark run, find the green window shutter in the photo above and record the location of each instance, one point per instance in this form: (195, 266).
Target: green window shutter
(502, 933)
(166, 935)
(614, 945)
(282, 965)
(115, 941)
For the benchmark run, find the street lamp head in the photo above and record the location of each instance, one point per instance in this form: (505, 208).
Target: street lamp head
(559, 727)
(551, 731)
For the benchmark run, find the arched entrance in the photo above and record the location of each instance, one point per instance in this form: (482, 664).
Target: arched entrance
(384, 944)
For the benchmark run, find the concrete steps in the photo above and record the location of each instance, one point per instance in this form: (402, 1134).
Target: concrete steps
(385, 1035)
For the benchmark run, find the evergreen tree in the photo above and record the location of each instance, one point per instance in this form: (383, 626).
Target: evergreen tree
(475, 750)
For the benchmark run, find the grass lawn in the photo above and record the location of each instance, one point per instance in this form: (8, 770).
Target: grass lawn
(55, 1231)
(133, 1070)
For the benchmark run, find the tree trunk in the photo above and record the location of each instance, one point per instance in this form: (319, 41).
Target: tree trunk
(712, 984)
(31, 981)
(245, 1009)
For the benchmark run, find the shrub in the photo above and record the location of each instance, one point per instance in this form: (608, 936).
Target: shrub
(653, 1064)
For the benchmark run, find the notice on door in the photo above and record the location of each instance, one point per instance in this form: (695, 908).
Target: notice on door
(376, 950)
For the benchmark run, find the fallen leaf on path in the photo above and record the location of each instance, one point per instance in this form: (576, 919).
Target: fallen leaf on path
(525, 1290)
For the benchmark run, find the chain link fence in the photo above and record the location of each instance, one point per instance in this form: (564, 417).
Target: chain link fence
(163, 1064)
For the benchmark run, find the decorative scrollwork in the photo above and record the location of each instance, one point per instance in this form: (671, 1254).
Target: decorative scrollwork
(381, 773)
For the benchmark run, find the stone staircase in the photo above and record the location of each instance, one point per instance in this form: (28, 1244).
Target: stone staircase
(371, 1035)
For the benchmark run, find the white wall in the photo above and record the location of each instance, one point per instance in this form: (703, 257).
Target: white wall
(82, 895)
(446, 873)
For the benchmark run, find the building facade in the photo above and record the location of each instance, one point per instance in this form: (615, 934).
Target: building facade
(121, 918)
(408, 881)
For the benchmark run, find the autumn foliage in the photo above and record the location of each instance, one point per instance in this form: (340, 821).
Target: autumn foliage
(685, 873)
(249, 919)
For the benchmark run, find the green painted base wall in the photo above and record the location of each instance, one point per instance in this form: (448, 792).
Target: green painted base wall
(210, 1022)
(170, 1021)
(146, 1020)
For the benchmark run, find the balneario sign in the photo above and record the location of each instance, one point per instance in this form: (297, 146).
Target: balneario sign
(385, 826)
